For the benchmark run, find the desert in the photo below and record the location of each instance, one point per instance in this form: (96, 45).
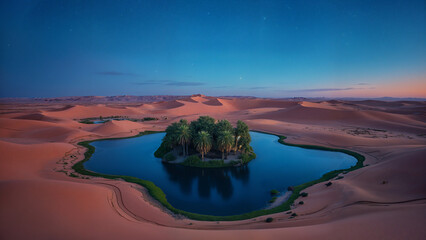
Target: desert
(383, 200)
(220, 119)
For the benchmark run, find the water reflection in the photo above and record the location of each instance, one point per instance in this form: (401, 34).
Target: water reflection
(207, 179)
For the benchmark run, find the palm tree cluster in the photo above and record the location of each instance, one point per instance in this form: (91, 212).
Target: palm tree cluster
(206, 134)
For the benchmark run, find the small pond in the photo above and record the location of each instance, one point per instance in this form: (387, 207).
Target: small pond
(218, 191)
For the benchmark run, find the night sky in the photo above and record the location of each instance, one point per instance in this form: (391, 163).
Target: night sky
(258, 48)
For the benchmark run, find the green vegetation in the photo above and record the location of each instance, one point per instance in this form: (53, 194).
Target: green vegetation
(216, 139)
(73, 175)
(169, 157)
(203, 143)
(162, 150)
(242, 138)
(273, 199)
(159, 195)
(149, 119)
(247, 157)
(274, 192)
(195, 161)
(85, 121)
(225, 141)
(117, 118)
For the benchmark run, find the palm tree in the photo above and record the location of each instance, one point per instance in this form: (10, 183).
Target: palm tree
(225, 141)
(203, 143)
(183, 137)
(171, 135)
(241, 132)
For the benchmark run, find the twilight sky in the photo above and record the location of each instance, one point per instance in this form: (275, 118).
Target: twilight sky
(265, 48)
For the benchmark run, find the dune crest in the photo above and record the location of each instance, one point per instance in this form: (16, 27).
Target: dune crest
(114, 127)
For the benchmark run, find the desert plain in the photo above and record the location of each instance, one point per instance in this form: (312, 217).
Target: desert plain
(43, 198)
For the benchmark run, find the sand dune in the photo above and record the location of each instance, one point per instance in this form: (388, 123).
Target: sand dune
(37, 116)
(385, 200)
(322, 105)
(213, 102)
(39, 131)
(113, 127)
(201, 107)
(199, 98)
(320, 115)
(163, 105)
(241, 104)
(80, 111)
(188, 99)
(25, 161)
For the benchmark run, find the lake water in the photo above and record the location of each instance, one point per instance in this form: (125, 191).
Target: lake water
(98, 121)
(220, 191)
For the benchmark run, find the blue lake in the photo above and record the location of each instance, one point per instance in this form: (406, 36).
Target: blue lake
(217, 191)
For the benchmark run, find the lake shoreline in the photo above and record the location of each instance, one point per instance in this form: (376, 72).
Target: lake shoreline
(159, 195)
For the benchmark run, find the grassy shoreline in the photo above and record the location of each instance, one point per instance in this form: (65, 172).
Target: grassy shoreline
(160, 196)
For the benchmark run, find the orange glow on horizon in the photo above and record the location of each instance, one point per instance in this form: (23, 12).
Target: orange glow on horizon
(408, 88)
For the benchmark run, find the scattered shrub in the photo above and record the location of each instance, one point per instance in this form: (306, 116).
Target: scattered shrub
(85, 121)
(301, 202)
(247, 157)
(328, 184)
(169, 157)
(339, 177)
(294, 215)
(162, 150)
(274, 192)
(272, 199)
(269, 219)
(304, 194)
(73, 175)
(149, 119)
(193, 159)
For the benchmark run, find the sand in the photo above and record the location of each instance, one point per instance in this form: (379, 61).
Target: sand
(384, 200)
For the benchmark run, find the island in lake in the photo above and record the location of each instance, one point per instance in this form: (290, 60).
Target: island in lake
(218, 143)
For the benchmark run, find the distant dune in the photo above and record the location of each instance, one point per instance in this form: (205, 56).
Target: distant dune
(41, 200)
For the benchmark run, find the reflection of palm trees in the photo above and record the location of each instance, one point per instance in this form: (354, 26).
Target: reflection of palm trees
(223, 184)
(208, 179)
(241, 173)
(203, 185)
(181, 175)
(215, 178)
